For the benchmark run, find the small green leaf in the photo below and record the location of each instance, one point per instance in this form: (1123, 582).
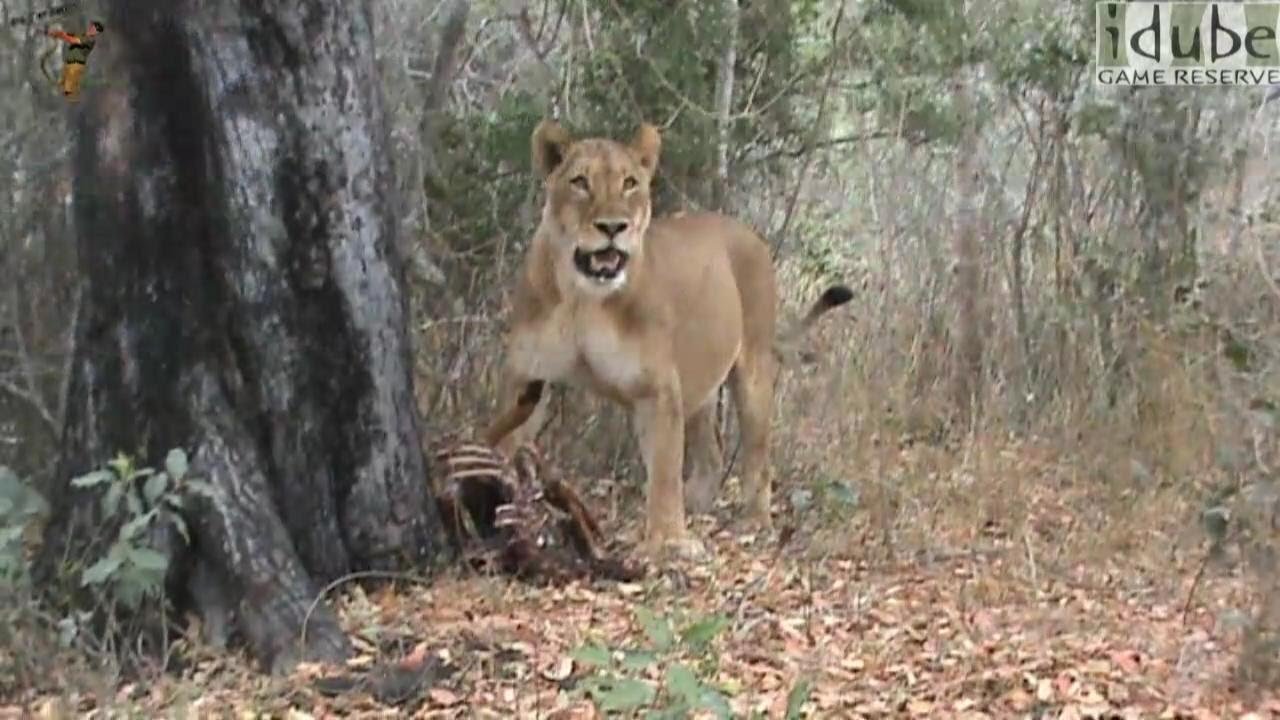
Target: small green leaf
(638, 659)
(175, 463)
(121, 465)
(1215, 521)
(1231, 619)
(678, 711)
(133, 502)
(1240, 355)
(796, 699)
(97, 477)
(154, 488)
(698, 635)
(10, 534)
(591, 655)
(711, 699)
(843, 494)
(595, 685)
(682, 683)
(801, 499)
(148, 559)
(99, 572)
(130, 530)
(626, 694)
(657, 629)
(111, 499)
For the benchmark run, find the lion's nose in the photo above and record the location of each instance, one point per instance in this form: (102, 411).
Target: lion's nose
(611, 228)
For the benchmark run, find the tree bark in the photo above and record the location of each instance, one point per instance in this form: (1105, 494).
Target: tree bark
(243, 300)
(724, 103)
(967, 371)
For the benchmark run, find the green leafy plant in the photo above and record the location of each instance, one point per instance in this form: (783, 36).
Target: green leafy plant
(620, 684)
(132, 568)
(623, 679)
(20, 508)
(834, 499)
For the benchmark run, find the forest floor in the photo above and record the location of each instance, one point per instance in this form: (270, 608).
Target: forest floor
(987, 621)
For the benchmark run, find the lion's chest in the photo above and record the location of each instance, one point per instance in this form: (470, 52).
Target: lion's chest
(609, 362)
(580, 347)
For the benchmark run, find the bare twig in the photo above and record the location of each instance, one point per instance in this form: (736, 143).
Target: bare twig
(1195, 583)
(351, 577)
(1031, 563)
(35, 402)
(809, 148)
(31, 393)
(794, 199)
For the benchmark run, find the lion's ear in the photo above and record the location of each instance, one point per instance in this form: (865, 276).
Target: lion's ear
(550, 141)
(647, 144)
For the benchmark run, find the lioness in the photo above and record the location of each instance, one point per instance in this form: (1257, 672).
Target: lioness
(653, 314)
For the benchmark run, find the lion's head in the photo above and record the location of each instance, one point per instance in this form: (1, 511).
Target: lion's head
(597, 205)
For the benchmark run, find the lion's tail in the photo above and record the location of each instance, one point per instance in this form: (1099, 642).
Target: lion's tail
(833, 297)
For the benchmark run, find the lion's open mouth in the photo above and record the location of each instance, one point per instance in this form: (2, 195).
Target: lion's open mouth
(602, 265)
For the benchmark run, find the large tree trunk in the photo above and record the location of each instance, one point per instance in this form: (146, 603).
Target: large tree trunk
(244, 301)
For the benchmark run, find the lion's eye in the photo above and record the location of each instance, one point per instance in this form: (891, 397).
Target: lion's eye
(580, 182)
(630, 183)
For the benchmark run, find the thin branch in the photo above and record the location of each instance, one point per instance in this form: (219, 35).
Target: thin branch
(820, 123)
(821, 145)
(35, 402)
(524, 29)
(32, 391)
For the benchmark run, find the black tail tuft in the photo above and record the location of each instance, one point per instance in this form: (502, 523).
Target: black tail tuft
(835, 296)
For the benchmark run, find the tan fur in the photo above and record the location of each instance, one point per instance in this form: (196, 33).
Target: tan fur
(696, 306)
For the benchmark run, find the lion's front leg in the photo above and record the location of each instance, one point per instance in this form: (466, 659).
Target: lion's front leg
(520, 397)
(660, 426)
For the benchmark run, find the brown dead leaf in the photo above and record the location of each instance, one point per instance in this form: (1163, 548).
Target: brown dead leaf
(559, 670)
(1097, 666)
(919, 707)
(1127, 661)
(1117, 693)
(580, 711)
(443, 697)
(1070, 712)
(1064, 683)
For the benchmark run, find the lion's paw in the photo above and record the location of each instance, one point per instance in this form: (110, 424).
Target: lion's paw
(682, 549)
